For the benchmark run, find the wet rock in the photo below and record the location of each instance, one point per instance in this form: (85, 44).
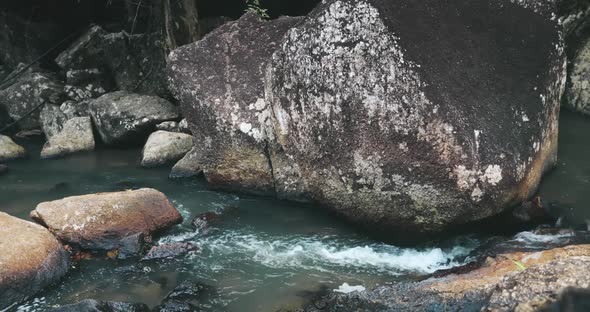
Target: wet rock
(27, 93)
(30, 259)
(134, 245)
(188, 166)
(578, 92)
(104, 221)
(164, 147)
(10, 150)
(75, 136)
(351, 112)
(225, 99)
(176, 306)
(190, 291)
(169, 251)
(136, 63)
(500, 284)
(122, 116)
(91, 305)
(3, 169)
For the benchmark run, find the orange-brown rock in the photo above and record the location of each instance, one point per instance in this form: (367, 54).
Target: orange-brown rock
(105, 221)
(520, 281)
(30, 259)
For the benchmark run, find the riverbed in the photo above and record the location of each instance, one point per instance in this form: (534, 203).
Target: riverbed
(266, 254)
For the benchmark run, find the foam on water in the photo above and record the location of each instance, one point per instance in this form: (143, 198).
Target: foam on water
(327, 253)
(534, 238)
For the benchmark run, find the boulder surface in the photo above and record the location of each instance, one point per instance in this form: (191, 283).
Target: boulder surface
(30, 259)
(366, 110)
(106, 221)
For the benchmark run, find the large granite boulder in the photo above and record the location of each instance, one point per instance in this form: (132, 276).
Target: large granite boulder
(100, 62)
(219, 81)
(107, 221)
(122, 117)
(28, 93)
(518, 281)
(402, 116)
(10, 150)
(30, 259)
(163, 147)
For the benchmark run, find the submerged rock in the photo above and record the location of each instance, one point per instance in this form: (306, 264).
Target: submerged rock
(508, 281)
(224, 99)
(3, 169)
(188, 166)
(75, 136)
(105, 221)
(30, 259)
(578, 93)
(367, 111)
(169, 251)
(10, 150)
(164, 147)
(122, 116)
(29, 92)
(91, 305)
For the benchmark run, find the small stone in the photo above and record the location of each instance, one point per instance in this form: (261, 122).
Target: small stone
(75, 136)
(188, 166)
(169, 251)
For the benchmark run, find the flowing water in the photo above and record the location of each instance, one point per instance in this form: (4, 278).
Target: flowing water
(267, 254)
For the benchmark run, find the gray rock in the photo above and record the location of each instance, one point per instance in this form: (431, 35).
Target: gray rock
(184, 127)
(224, 100)
(367, 111)
(578, 92)
(188, 166)
(169, 251)
(28, 92)
(75, 109)
(164, 147)
(170, 126)
(91, 305)
(52, 120)
(107, 221)
(136, 63)
(30, 257)
(122, 116)
(4, 117)
(75, 136)
(10, 150)
(84, 84)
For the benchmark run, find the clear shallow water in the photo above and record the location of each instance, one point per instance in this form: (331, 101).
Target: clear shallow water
(267, 255)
